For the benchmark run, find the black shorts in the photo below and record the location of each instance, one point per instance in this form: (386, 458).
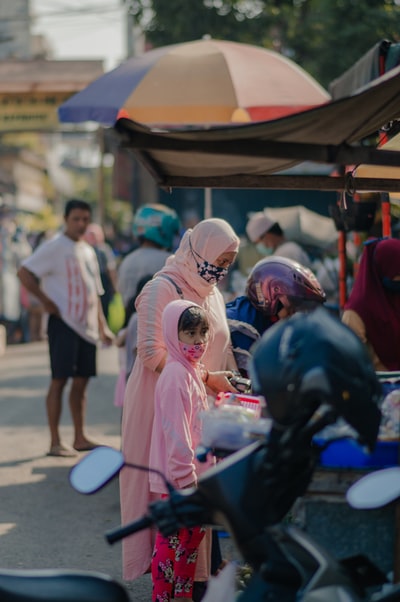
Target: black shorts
(70, 354)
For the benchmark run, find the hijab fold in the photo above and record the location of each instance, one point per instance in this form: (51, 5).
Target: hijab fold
(209, 238)
(170, 321)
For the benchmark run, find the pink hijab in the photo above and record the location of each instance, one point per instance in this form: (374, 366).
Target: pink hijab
(209, 239)
(378, 307)
(170, 321)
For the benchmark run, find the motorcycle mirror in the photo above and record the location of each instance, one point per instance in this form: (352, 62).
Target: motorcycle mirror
(96, 469)
(376, 489)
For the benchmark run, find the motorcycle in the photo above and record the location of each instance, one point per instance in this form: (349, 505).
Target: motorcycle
(249, 494)
(59, 586)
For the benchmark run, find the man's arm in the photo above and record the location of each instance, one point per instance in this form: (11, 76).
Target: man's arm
(32, 284)
(106, 336)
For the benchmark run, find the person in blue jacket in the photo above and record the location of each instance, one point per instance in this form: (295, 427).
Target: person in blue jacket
(277, 287)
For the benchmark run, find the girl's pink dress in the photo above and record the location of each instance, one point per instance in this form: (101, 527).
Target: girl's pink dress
(210, 238)
(180, 399)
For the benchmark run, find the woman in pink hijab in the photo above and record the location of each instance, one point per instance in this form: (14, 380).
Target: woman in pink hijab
(202, 259)
(373, 307)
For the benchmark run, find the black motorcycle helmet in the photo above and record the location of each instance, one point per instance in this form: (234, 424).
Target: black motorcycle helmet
(310, 359)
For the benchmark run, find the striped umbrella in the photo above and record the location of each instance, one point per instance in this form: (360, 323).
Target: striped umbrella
(197, 83)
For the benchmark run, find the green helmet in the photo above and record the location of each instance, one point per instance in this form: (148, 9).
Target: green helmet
(157, 223)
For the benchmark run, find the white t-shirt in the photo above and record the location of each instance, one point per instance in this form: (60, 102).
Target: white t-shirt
(69, 275)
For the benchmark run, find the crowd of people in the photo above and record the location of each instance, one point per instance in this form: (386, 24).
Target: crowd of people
(183, 337)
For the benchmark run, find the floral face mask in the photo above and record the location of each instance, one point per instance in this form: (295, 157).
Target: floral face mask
(193, 353)
(208, 271)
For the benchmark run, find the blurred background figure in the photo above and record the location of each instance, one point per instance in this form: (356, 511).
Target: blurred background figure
(156, 227)
(126, 342)
(94, 235)
(269, 239)
(276, 288)
(373, 307)
(14, 247)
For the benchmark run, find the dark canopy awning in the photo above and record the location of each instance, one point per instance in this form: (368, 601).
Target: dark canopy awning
(252, 155)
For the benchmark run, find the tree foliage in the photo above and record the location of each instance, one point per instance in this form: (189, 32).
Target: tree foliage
(322, 36)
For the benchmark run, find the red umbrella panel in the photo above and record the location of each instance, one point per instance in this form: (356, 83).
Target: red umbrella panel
(197, 83)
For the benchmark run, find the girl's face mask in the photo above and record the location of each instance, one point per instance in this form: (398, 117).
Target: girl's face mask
(193, 353)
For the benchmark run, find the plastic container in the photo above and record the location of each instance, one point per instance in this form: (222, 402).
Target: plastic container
(231, 427)
(250, 402)
(348, 454)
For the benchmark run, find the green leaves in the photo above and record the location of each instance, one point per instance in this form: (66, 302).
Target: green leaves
(323, 37)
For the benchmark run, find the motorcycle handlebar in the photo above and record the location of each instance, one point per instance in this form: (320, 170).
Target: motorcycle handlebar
(121, 532)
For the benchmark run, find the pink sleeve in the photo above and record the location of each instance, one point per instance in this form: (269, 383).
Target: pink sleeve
(175, 406)
(150, 343)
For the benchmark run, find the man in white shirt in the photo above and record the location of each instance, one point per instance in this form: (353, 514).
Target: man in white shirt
(63, 273)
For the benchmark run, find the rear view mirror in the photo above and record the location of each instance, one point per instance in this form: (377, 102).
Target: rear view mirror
(96, 469)
(375, 489)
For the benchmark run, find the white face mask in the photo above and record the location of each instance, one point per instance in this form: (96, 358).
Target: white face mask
(263, 249)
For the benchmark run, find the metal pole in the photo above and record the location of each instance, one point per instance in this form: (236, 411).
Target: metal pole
(101, 209)
(342, 269)
(129, 31)
(207, 203)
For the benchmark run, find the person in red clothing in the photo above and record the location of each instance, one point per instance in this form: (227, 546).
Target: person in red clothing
(373, 307)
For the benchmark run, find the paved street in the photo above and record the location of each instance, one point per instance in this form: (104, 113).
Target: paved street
(44, 523)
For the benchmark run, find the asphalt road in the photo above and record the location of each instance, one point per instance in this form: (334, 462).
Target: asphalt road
(44, 523)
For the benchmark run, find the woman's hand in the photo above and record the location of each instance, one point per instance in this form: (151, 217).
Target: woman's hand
(219, 381)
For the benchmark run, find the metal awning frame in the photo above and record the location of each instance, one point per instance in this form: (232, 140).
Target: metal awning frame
(340, 133)
(140, 143)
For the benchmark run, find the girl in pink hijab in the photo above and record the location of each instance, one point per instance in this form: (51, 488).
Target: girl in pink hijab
(200, 262)
(373, 307)
(180, 398)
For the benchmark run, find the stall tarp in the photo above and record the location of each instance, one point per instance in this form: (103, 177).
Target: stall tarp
(381, 171)
(304, 226)
(382, 57)
(361, 73)
(241, 155)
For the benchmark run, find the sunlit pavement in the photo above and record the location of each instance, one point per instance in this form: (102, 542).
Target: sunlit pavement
(44, 523)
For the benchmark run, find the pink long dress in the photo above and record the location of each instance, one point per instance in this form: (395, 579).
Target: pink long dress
(210, 238)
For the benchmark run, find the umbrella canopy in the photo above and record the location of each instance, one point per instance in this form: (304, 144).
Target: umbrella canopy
(252, 155)
(200, 82)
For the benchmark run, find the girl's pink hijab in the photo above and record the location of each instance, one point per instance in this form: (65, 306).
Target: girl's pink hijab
(209, 238)
(170, 320)
(379, 308)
